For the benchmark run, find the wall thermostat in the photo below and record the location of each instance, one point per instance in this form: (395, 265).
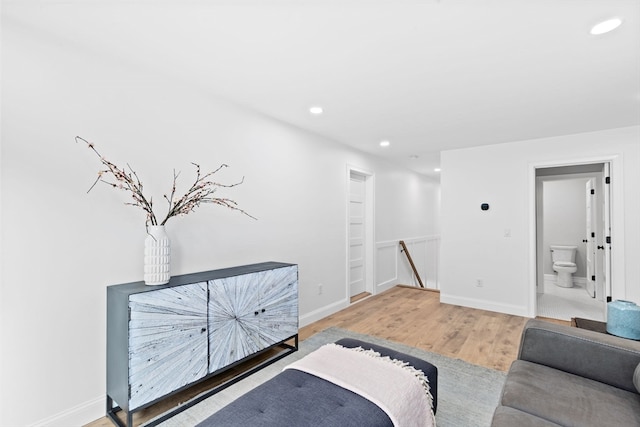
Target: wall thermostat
(484, 206)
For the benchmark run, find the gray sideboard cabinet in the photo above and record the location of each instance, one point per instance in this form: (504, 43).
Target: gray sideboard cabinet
(163, 339)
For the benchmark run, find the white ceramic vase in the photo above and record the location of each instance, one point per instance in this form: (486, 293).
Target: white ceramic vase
(157, 256)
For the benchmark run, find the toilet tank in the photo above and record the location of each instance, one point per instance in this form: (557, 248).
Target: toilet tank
(563, 253)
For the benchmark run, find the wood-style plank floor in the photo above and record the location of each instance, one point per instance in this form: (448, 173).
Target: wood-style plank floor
(415, 317)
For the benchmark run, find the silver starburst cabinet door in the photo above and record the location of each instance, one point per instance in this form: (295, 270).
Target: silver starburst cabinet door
(167, 341)
(251, 312)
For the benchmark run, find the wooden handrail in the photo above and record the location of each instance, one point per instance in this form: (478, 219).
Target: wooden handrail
(415, 270)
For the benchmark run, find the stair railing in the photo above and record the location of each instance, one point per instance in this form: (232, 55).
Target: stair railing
(415, 270)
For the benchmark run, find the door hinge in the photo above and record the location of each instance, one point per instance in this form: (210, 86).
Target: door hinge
(593, 278)
(609, 239)
(593, 191)
(593, 234)
(607, 180)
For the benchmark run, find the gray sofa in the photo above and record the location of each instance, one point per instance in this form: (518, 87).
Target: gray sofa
(566, 376)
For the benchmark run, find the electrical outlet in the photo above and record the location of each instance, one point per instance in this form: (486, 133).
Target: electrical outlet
(479, 283)
(319, 288)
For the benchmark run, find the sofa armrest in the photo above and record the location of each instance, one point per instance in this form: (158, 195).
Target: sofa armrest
(600, 357)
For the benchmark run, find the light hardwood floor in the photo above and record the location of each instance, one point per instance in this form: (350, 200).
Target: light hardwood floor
(415, 317)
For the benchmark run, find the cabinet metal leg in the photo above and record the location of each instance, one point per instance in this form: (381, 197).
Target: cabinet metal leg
(112, 411)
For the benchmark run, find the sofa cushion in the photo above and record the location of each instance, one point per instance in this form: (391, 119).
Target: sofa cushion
(589, 354)
(567, 399)
(509, 417)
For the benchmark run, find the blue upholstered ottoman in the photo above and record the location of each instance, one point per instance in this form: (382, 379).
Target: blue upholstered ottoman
(296, 398)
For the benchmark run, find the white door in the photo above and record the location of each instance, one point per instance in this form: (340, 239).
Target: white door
(357, 234)
(591, 238)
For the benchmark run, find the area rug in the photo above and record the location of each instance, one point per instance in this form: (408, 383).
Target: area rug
(467, 394)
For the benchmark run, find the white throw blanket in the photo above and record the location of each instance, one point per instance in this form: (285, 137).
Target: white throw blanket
(396, 387)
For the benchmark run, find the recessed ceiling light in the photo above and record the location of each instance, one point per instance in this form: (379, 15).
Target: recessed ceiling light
(384, 143)
(606, 26)
(436, 170)
(316, 110)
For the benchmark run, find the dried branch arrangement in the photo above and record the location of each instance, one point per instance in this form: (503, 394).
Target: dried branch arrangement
(201, 191)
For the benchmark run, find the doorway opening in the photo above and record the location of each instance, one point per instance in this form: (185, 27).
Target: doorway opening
(573, 251)
(360, 238)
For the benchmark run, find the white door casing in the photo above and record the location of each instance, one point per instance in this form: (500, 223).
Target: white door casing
(360, 232)
(612, 213)
(606, 216)
(590, 237)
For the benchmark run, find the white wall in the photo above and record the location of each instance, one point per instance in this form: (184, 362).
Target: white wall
(409, 210)
(474, 245)
(61, 247)
(565, 220)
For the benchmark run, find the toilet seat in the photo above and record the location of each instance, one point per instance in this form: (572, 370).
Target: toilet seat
(564, 264)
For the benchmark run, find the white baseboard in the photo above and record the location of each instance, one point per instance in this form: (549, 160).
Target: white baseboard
(323, 312)
(552, 279)
(381, 287)
(580, 281)
(515, 310)
(79, 415)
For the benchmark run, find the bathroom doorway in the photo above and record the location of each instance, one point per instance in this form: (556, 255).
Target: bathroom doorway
(572, 210)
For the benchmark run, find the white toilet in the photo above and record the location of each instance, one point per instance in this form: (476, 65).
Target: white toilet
(564, 262)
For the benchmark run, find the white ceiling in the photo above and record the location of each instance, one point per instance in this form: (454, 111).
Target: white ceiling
(425, 75)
